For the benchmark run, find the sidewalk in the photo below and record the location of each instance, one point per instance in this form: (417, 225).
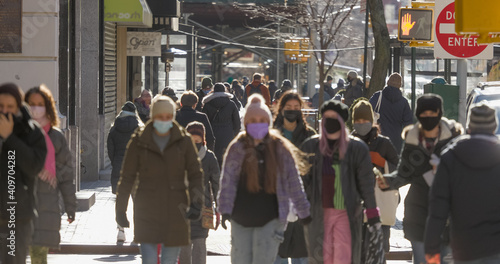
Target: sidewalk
(94, 231)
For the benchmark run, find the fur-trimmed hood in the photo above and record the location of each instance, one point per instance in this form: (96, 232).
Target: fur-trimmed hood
(449, 129)
(214, 95)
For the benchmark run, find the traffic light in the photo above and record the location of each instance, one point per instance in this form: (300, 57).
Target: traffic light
(415, 24)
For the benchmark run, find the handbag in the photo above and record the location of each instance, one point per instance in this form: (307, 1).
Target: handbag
(207, 217)
(376, 111)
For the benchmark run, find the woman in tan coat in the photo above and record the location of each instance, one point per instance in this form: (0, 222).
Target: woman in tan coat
(163, 159)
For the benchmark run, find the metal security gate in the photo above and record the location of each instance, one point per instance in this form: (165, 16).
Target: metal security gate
(109, 82)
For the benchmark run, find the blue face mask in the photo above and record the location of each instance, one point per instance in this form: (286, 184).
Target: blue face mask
(206, 91)
(162, 126)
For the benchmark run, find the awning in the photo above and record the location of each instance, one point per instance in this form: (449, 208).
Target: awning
(131, 13)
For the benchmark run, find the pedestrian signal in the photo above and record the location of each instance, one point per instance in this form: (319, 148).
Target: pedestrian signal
(415, 24)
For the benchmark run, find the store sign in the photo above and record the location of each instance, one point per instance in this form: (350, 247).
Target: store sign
(134, 13)
(144, 44)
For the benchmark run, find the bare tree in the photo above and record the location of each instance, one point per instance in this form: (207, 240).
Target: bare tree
(382, 49)
(323, 20)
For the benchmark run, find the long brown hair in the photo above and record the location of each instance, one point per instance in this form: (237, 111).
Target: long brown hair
(287, 96)
(250, 166)
(50, 104)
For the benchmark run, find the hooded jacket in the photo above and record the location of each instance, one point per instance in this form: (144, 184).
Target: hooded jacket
(395, 114)
(168, 182)
(224, 118)
(48, 222)
(353, 91)
(358, 184)
(466, 188)
(26, 148)
(118, 138)
(413, 164)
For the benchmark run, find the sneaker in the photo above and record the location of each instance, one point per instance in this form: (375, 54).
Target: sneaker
(121, 235)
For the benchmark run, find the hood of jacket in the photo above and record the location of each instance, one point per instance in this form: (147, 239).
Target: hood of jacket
(218, 99)
(449, 129)
(126, 124)
(476, 151)
(392, 94)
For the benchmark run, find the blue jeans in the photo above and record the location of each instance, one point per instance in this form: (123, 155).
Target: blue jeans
(419, 253)
(256, 245)
(149, 254)
(495, 259)
(294, 260)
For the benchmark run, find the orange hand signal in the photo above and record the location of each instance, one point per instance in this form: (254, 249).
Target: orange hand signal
(406, 24)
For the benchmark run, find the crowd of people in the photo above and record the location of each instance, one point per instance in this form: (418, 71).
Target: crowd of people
(243, 154)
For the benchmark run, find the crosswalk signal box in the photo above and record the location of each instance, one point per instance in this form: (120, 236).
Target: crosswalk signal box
(415, 24)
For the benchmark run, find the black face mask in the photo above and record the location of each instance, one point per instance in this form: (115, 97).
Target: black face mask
(429, 123)
(332, 125)
(292, 115)
(198, 145)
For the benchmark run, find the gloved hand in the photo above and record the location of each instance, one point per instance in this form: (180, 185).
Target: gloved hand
(225, 217)
(71, 217)
(433, 258)
(193, 213)
(306, 221)
(121, 219)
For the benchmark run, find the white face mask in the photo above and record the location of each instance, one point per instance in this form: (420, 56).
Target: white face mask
(38, 112)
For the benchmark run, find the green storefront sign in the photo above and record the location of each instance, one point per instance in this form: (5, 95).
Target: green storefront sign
(128, 12)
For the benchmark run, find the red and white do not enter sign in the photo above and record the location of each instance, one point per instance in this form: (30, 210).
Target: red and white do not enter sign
(456, 46)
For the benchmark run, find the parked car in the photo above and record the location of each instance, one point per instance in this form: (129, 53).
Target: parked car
(485, 91)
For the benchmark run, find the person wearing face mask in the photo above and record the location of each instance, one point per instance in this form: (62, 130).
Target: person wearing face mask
(423, 144)
(164, 161)
(57, 176)
(339, 184)
(384, 157)
(292, 125)
(224, 117)
(260, 178)
(22, 158)
(143, 103)
(196, 252)
(355, 88)
(206, 88)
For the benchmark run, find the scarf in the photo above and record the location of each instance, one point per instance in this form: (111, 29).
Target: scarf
(48, 173)
(202, 152)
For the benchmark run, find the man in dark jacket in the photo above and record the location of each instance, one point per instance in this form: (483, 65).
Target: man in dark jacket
(206, 88)
(224, 118)
(285, 86)
(188, 114)
(466, 190)
(355, 88)
(22, 157)
(327, 86)
(272, 89)
(394, 110)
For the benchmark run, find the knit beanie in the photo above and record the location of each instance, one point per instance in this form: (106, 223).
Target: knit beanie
(206, 82)
(394, 80)
(337, 106)
(482, 119)
(162, 105)
(196, 128)
(286, 83)
(14, 90)
(129, 106)
(219, 88)
(362, 110)
(352, 74)
(257, 107)
(431, 102)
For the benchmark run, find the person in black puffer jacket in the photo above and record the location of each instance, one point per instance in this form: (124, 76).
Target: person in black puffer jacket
(196, 252)
(223, 116)
(124, 126)
(22, 157)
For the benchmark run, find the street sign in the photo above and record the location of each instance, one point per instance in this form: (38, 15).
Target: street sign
(415, 24)
(449, 45)
(486, 25)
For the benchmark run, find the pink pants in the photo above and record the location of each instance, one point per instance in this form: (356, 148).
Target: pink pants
(337, 239)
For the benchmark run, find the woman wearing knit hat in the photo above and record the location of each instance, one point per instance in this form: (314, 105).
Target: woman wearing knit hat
(384, 157)
(424, 143)
(291, 123)
(161, 156)
(196, 251)
(341, 177)
(259, 180)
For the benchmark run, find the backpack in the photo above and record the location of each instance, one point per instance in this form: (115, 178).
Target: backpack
(254, 90)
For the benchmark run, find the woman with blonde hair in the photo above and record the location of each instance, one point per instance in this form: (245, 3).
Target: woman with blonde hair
(57, 176)
(259, 180)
